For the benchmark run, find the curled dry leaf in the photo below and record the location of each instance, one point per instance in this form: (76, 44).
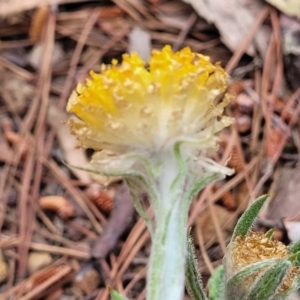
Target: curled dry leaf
(38, 22)
(103, 198)
(60, 205)
(38, 260)
(3, 268)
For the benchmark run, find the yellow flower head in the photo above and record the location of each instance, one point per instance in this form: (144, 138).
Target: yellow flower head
(257, 247)
(130, 107)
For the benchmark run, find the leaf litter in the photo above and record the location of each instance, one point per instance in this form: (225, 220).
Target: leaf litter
(89, 233)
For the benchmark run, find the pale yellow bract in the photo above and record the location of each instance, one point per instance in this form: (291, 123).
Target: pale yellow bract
(130, 107)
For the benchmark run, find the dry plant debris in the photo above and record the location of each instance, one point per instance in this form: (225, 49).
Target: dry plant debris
(84, 224)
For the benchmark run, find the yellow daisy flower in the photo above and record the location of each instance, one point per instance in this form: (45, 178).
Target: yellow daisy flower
(131, 107)
(154, 123)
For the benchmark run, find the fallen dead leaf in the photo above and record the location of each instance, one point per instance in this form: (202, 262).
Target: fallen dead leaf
(285, 203)
(288, 7)
(233, 18)
(293, 230)
(290, 28)
(120, 219)
(140, 42)
(68, 143)
(35, 56)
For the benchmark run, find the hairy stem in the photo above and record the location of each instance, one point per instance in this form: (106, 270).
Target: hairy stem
(168, 254)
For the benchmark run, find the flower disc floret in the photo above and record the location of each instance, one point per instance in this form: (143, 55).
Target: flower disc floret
(131, 106)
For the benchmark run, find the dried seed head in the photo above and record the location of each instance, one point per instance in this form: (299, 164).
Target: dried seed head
(60, 205)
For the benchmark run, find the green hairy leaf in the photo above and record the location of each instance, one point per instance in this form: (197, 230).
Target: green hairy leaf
(294, 248)
(266, 286)
(216, 284)
(115, 295)
(235, 285)
(246, 220)
(193, 280)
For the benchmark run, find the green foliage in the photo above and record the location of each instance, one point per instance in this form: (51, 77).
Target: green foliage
(246, 220)
(269, 233)
(235, 286)
(258, 281)
(193, 280)
(294, 248)
(216, 284)
(115, 295)
(267, 284)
